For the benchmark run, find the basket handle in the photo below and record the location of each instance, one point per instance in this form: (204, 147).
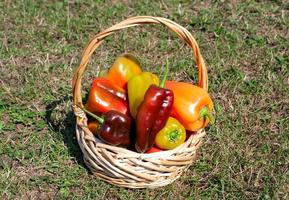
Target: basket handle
(95, 42)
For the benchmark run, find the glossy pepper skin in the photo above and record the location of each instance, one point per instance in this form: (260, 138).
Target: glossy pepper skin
(193, 105)
(111, 87)
(137, 87)
(172, 135)
(104, 96)
(152, 116)
(114, 128)
(123, 69)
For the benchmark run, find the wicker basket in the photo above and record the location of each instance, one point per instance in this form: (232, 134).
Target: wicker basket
(123, 167)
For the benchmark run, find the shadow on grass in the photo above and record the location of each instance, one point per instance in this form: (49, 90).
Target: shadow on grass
(65, 125)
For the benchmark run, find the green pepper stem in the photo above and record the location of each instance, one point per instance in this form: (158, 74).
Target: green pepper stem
(173, 135)
(205, 113)
(165, 75)
(99, 119)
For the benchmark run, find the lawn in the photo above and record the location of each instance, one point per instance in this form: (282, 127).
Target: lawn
(245, 154)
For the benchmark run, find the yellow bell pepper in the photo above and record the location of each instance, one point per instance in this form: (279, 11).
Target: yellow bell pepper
(137, 87)
(172, 135)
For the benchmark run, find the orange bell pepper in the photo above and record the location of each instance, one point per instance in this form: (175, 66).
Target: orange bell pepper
(123, 69)
(192, 106)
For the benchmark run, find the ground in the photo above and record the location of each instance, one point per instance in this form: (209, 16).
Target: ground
(245, 154)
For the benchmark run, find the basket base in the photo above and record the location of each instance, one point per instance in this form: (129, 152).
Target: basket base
(134, 184)
(125, 168)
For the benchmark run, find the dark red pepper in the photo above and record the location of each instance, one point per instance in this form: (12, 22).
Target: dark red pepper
(153, 114)
(115, 127)
(104, 95)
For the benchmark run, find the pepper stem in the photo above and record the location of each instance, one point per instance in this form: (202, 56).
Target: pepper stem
(162, 84)
(99, 119)
(173, 135)
(205, 113)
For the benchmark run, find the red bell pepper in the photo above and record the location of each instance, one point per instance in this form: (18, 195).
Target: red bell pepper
(104, 95)
(153, 150)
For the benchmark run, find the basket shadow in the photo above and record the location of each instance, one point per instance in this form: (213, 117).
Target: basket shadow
(66, 127)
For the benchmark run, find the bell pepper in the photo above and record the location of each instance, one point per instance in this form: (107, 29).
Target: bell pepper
(114, 129)
(109, 86)
(172, 135)
(137, 87)
(192, 106)
(123, 69)
(153, 150)
(152, 115)
(104, 95)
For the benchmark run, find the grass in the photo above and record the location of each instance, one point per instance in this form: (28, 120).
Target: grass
(245, 43)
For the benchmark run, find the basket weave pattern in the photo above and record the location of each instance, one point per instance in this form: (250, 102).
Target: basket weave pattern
(120, 166)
